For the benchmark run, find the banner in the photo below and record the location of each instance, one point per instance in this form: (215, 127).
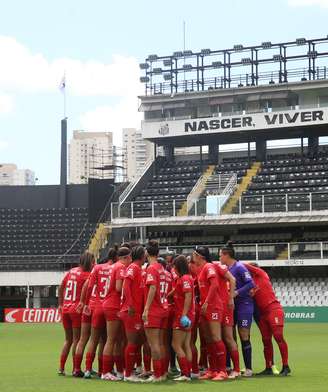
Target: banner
(37, 315)
(237, 123)
(306, 314)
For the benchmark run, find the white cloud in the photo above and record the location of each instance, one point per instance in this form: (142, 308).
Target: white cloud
(6, 103)
(304, 3)
(113, 118)
(24, 71)
(3, 145)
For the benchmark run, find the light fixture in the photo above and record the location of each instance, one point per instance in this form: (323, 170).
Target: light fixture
(238, 47)
(187, 52)
(167, 76)
(312, 54)
(277, 57)
(167, 62)
(187, 66)
(217, 64)
(266, 44)
(246, 60)
(300, 41)
(144, 79)
(178, 54)
(205, 51)
(144, 66)
(152, 57)
(157, 71)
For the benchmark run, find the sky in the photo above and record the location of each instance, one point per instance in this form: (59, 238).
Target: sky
(98, 45)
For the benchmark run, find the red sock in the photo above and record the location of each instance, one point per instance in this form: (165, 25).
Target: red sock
(157, 366)
(211, 350)
(100, 364)
(283, 347)
(63, 359)
(138, 357)
(165, 363)
(221, 354)
(108, 363)
(119, 362)
(184, 366)
(77, 362)
(234, 354)
(130, 358)
(147, 362)
(89, 360)
(194, 363)
(268, 351)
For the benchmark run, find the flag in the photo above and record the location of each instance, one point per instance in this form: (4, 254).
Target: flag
(62, 84)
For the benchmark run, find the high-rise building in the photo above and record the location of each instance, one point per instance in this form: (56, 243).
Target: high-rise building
(90, 155)
(11, 175)
(138, 152)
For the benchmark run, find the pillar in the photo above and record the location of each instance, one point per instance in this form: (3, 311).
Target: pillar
(313, 146)
(213, 153)
(36, 297)
(261, 147)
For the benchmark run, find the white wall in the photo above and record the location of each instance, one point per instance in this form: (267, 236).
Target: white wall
(39, 278)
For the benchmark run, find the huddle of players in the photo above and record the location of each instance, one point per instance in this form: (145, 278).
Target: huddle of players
(140, 311)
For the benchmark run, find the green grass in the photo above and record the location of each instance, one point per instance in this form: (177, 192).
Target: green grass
(29, 360)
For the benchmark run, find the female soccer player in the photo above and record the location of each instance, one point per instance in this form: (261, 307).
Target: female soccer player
(115, 332)
(96, 293)
(244, 305)
(184, 316)
(156, 310)
(271, 320)
(211, 315)
(131, 310)
(227, 285)
(69, 298)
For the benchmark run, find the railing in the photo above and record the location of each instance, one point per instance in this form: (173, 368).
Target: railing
(289, 202)
(294, 252)
(129, 188)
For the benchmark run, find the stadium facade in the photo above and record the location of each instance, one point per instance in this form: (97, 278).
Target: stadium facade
(271, 201)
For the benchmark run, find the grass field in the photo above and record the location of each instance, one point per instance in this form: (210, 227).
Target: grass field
(29, 361)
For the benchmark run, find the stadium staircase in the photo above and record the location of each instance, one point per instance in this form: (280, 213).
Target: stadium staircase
(242, 187)
(99, 240)
(196, 192)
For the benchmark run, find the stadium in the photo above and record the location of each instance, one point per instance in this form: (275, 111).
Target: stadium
(239, 139)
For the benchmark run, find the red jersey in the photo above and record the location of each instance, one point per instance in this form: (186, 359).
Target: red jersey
(73, 283)
(133, 289)
(157, 277)
(99, 280)
(205, 276)
(175, 277)
(169, 285)
(224, 287)
(184, 284)
(113, 298)
(263, 292)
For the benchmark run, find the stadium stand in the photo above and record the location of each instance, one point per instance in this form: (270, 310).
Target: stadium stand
(35, 239)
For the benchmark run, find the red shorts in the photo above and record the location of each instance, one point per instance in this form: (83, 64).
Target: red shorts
(98, 320)
(71, 320)
(86, 319)
(227, 316)
(156, 322)
(274, 316)
(211, 315)
(111, 314)
(131, 323)
(176, 323)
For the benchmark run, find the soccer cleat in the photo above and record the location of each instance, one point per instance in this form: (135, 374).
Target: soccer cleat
(194, 376)
(182, 378)
(145, 375)
(109, 377)
(138, 370)
(248, 373)
(285, 371)
(220, 376)
(87, 374)
(152, 379)
(78, 374)
(61, 372)
(265, 372)
(132, 378)
(174, 371)
(202, 371)
(119, 376)
(94, 373)
(233, 375)
(208, 375)
(275, 371)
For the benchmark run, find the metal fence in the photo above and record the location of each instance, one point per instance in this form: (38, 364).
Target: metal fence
(256, 204)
